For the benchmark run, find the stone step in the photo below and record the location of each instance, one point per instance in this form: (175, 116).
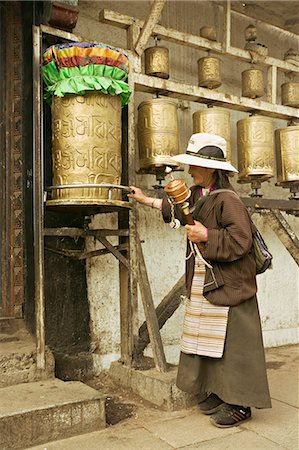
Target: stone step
(39, 412)
(18, 361)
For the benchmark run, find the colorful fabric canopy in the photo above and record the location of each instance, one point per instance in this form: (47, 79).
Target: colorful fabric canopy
(75, 68)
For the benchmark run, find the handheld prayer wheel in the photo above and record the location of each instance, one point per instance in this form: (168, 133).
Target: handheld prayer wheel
(86, 138)
(214, 121)
(255, 140)
(157, 133)
(253, 83)
(209, 72)
(287, 155)
(290, 94)
(157, 62)
(179, 193)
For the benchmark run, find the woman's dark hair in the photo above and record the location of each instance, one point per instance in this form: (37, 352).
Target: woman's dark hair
(221, 176)
(222, 180)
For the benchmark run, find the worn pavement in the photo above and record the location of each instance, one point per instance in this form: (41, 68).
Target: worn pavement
(152, 429)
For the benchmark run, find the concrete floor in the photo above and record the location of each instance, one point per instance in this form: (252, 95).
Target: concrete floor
(152, 429)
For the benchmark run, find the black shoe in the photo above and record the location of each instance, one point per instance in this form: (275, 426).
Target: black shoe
(212, 404)
(231, 416)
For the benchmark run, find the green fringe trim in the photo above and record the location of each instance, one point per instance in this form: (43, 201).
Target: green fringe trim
(78, 80)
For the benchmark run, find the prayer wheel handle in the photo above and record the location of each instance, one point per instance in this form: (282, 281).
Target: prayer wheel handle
(179, 194)
(187, 214)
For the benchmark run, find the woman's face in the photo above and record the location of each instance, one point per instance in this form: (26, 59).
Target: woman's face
(202, 176)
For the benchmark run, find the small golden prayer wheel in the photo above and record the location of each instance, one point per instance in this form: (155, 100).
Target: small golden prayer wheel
(178, 191)
(287, 155)
(290, 94)
(209, 72)
(253, 83)
(157, 133)
(86, 138)
(214, 121)
(255, 140)
(157, 62)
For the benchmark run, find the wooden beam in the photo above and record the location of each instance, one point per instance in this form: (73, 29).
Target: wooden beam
(190, 40)
(291, 206)
(227, 27)
(133, 217)
(150, 313)
(149, 24)
(284, 232)
(114, 251)
(79, 232)
(164, 311)
(38, 203)
(132, 36)
(272, 84)
(188, 92)
(80, 255)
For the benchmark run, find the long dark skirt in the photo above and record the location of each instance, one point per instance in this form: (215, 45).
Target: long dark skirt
(239, 377)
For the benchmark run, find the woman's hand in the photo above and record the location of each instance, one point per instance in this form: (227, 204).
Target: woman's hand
(197, 232)
(137, 194)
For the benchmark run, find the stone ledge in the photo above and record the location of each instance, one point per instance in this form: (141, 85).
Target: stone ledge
(35, 413)
(155, 387)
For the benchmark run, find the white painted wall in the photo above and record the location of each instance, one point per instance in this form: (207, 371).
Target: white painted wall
(164, 249)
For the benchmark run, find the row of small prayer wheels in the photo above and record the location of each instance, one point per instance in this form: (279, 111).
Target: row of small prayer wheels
(209, 76)
(158, 140)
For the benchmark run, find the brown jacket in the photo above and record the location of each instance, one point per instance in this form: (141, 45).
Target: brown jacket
(232, 280)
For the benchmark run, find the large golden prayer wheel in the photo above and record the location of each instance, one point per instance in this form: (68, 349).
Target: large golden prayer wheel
(255, 139)
(287, 155)
(209, 72)
(290, 94)
(157, 62)
(253, 83)
(214, 121)
(86, 135)
(157, 133)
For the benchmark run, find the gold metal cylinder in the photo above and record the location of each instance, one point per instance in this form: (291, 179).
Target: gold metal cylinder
(255, 138)
(287, 155)
(86, 147)
(157, 133)
(290, 94)
(253, 83)
(209, 72)
(214, 121)
(157, 62)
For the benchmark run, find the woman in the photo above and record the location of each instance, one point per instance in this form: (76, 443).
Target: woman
(222, 355)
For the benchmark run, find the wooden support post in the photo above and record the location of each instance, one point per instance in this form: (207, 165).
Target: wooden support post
(226, 27)
(133, 33)
(150, 313)
(272, 84)
(284, 232)
(154, 15)
(164, 311)
(132, 158)
(38, 202)
(126, 333)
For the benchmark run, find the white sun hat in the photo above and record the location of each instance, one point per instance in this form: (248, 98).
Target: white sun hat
(197, 153)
